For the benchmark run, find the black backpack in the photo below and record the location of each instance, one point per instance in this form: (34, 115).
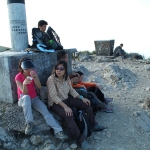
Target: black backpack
(82, 122)
(37, 37)
(55, 39)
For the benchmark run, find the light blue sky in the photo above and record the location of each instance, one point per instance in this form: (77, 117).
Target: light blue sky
(80, 22)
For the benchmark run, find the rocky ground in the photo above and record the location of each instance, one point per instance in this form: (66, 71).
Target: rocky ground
(128, 128)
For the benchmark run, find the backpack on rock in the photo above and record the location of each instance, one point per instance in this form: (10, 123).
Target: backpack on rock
(48, 40)
(54, 39)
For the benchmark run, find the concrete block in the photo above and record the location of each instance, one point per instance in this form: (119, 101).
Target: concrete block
(9, 68)
(104, 48)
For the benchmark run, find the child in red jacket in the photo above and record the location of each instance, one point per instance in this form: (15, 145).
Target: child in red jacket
(77, 83)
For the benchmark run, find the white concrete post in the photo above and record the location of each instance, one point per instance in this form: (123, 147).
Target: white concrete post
(18, 25)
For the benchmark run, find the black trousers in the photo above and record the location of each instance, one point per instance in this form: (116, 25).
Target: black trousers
(69, 120)
(97, 92)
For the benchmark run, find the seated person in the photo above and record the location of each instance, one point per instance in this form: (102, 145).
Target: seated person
(40, 36)
(91, 87)
(119, 51)
(26, 81)
(59, 86)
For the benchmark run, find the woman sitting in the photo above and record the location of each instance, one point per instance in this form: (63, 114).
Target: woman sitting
(59, 86)
(26, 80)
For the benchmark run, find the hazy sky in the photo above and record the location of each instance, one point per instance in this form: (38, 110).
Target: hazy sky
(80, 22)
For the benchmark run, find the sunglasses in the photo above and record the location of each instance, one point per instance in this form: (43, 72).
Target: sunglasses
(61, 69)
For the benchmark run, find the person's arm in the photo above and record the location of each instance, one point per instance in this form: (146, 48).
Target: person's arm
(76, 95)
(67, 109)
(22, 86)
(52, 92)
(77, 85)
(72, 91)
(88, 84)
(36, 79)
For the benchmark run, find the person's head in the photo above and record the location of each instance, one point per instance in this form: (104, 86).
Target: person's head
(26, 65)
(42, 24)
(80, 77)
(61, 69)
(121, 45)
(62, 55)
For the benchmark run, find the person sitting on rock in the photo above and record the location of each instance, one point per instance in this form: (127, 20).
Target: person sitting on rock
(26, 81)
(119, 52)
(59, 87)
(79, 85)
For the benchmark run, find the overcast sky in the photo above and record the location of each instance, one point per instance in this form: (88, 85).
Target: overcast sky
(80, 22)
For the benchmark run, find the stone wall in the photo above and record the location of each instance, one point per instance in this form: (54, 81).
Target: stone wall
(104, 48)
(9, 68)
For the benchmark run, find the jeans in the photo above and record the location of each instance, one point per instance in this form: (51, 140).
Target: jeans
(27, 103)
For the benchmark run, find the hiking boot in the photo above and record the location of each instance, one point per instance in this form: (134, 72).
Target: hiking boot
(107, 109)
(29, 128)
(60, 135)
(108, 100)
(98, 128)
(85, 145)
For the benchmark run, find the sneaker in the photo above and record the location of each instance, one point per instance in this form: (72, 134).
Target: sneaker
(108, 100)
(85, 145)
(107, 109)
(98, 128)
(29, 128)
(60, 135)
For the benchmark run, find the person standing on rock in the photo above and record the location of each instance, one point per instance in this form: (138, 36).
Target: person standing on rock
(59, 86)
(119, 52)
(26, 81)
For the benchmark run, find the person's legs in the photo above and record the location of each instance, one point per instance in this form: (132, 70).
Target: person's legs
(25, 103)
(80, 105)
(41, 107)
(69, 120)
(97, 92)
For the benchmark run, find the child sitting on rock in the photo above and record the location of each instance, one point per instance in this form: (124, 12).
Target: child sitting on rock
(84, 87)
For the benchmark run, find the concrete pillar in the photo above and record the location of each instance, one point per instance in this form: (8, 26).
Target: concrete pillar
(18, 25)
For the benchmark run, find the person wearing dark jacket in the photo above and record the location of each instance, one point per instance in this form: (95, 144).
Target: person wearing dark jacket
(119, 51)
(40, 36)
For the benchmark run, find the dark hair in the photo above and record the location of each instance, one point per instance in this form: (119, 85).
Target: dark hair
(61, 55)
(21, 60)
(42, 22)
(121, 44)
(62, 62)
(80, 73)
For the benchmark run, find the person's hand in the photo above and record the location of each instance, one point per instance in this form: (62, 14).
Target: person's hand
(33, 73)
(68, 111)
(27, 81)
(86, 101)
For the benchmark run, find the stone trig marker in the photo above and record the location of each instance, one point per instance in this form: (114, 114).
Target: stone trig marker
(104, 47)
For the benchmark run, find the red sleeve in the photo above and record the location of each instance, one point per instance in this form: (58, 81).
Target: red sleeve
(88, 84)
(19, 77)
(76, 85)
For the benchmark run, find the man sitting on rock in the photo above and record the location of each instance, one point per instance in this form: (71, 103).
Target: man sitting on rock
(119, 52)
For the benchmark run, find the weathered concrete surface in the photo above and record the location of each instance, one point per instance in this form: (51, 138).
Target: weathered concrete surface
(104, 47)
(9, 68)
